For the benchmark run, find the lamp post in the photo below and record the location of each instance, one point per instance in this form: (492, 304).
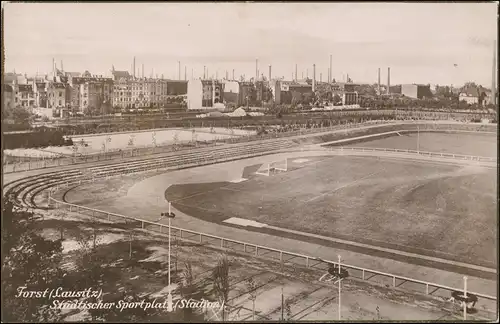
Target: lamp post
(465, 298)
(170, 215)
(340, 283)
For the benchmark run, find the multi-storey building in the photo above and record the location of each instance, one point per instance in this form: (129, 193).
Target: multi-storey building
(41, 95)
(88, 92)
(8, 96)
(416, 91)
(205, 94)
(122, 89)
(25, 97)
(56, 95)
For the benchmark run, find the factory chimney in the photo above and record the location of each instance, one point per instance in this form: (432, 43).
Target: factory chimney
(296, 75)
(314, 78)
(388, 80)
(204, 72)
(378, 84)
(62, 69)
(142, 75)
(493, 77)
(320, 77)
(233, 75)
(133, 67)
(330, 75)
(256, 69)
(270, 75)
(179, 70)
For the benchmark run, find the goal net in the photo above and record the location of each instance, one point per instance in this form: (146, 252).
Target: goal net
(274, 167)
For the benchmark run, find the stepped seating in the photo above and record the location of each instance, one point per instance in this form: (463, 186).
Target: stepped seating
(27, 191)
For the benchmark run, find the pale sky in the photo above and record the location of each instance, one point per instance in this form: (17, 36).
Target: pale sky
(421, 42)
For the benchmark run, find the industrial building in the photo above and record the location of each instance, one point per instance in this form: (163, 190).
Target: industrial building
(416, 91)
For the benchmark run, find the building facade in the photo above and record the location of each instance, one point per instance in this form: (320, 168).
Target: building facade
(204, 94)
(25, 96)
(90, 93)
(416, 91)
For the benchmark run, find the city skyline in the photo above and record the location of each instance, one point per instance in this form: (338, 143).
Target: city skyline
(421, 43)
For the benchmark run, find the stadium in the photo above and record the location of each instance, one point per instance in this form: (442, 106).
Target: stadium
(409, 205)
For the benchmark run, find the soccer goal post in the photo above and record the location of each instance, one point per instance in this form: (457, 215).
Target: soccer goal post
(265, 171)
(281, 165)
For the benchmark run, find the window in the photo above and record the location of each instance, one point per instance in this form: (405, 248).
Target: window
(60, 94)
(60, 102)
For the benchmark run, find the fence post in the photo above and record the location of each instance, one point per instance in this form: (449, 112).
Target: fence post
(180, 233)
(200, 238)
(222, 243)
(142, 225)
(109, 217)
(426, 288)
(256, 250)
(244, 248)
(363, 274)
(394, 281)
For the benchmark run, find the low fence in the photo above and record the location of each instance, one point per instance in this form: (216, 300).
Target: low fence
(284, 257)
(423, 153)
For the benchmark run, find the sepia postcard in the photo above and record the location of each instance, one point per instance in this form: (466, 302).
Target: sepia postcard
(249, 162)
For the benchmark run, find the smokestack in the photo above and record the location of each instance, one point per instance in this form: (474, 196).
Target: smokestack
(330, 76)
(296, 75)
(256, 69)
(204, 72)
(62, 69)
(314, 78)
(185, 73)
(233, 74)
(493, 77)
(307, 73)
(227, 76)
(179, 70)
(320, 77)
(270, 75)
(378, 87)
(192, 74)
(133, 67)
(302, 74)
(388, 80)
(143, 71)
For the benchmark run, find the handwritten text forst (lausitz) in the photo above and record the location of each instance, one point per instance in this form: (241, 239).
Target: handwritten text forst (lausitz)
(53, 293)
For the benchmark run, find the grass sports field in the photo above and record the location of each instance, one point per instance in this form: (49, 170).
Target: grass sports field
(458, 143)
(427, 208)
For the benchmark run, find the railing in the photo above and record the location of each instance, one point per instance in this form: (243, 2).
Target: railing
(430, 154)
(258, 250)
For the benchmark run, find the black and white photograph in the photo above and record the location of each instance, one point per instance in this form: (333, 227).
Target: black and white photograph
(249, 162)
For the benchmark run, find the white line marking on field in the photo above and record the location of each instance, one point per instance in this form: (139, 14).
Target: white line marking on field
(341, 187)
(300, 160)
(244, 222)
(238, 180)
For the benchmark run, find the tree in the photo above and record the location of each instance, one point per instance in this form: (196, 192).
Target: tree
(251, 287)
(28, 260)
(220, 281)
(20, 115)
(189, 288)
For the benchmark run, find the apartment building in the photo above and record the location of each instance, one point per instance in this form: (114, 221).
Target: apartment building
(205, 94)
